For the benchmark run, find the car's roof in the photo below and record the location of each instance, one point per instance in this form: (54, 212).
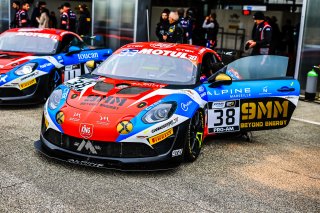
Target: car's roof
(48, 31)
(191, 52)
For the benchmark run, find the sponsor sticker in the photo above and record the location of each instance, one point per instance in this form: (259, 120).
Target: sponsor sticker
(87, 56)
(85, 163)
(166, 125)
(76, 117)
(27, 84)
(160, 137)
(45, 65)
(185, 106)
(86, 130)
(170, 53)
(264, 114)
(162, 45)
(177, 152)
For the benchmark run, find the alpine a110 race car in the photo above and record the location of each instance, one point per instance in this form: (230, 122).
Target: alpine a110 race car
(34, 61)
(151, 105)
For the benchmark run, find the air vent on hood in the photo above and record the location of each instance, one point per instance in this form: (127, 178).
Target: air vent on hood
(132, 90)
(103, 87)
(5, 56)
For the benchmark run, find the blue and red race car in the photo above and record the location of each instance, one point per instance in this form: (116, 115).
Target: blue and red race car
(34, 61)
(151, 105)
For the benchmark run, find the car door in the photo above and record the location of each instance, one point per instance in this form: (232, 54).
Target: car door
(75, 54)
(250, 103)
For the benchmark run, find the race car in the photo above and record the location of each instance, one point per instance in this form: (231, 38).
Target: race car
(34, 61)
(150, 106)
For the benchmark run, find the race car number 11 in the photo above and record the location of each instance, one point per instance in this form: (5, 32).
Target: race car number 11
(223, 116)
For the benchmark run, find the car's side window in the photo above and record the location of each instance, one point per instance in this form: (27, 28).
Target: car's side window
(71, 40)
(66, 42)
(207, 64)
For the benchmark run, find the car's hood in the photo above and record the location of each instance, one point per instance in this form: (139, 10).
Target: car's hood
(9, 60)
(100, 104)
(113, 96)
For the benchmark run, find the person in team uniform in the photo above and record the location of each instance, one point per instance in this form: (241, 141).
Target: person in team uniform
(261, 37)
(68, 18)
(15, 22)
(187, 23)
(23, 18)
(175, 31)
(163, 25)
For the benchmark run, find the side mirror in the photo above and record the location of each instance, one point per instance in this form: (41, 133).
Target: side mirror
(91, 65)
(220, 79)
(73, 50)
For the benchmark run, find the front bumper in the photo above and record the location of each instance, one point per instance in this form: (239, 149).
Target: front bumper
(31, 95)
(163, 161)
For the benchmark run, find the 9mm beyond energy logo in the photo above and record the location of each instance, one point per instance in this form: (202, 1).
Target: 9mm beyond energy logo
(265, 114)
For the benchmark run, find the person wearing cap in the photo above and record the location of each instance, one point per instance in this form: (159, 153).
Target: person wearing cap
(68, 18)
(261, 36)
(163, 25)
(84, 26)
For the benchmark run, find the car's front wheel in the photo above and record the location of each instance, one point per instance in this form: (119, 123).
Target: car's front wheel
(194, 137)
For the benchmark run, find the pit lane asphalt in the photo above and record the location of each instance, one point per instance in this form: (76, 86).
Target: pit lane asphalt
(278, 172)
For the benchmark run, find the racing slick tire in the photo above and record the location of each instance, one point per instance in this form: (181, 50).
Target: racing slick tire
(54, 80)
(194, 137)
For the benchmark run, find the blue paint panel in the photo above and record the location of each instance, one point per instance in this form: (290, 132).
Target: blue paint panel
(254, 89)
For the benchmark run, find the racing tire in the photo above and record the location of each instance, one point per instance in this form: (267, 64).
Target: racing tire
(194, 137)
(52, 82)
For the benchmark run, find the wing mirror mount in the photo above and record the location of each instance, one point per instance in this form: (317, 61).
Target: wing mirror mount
(73, 50)
(219, 79)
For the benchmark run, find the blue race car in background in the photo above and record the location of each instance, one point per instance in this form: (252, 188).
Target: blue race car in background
(35, 61)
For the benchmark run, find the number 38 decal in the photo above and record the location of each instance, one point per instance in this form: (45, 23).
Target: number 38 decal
(223, 116)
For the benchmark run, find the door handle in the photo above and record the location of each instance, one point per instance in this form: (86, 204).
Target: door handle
(286, 89)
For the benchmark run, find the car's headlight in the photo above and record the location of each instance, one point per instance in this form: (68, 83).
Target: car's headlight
(54, 99)
(26, 69)
(160, 113)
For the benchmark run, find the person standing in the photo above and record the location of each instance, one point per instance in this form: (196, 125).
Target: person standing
(211, 27)
(163, 26)
(84, 27)
(68, 18)
(261, 36)
(53, 22)
(36, 13)
(16, 6)
(44, 18)
(23, 18)
(175, 31)
(187, 23)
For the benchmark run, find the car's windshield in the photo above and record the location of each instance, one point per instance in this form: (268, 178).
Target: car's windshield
(132, 65)
(258, 67)
(38, 43)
